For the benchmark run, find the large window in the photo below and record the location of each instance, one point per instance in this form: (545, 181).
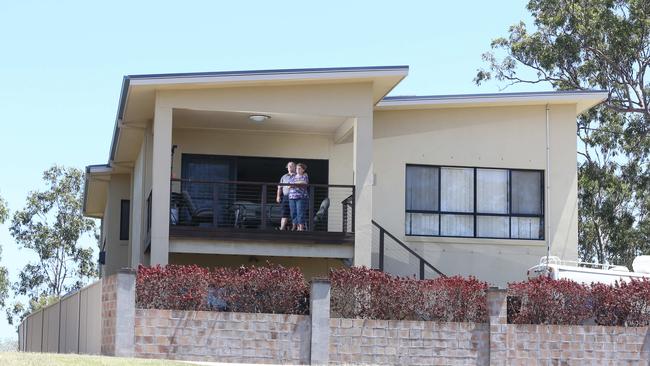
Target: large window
(474, 202)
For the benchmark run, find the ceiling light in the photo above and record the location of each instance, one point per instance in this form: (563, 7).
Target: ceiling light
(258, 117)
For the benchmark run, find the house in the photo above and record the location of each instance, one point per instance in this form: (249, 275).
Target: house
(461, 184)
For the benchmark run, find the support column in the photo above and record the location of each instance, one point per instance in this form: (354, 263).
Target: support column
(498, 315)
(363, 182)
(137, 208)
(320, 321)
(118, 314)
(160, 184)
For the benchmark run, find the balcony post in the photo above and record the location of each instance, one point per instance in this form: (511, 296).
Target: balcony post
(363, 182)
(161, 183)
(263, 206)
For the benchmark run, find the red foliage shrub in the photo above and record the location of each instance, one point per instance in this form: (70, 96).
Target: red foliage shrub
(359, 292)
(172, 287)
(546, 301)
(269, 289)
(623, 304)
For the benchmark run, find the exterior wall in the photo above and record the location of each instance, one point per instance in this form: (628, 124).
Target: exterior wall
(383, 342)
(72, 325)
(249, 143)
(501, 137)
(226, 337)
(117, 251)
(311, 267)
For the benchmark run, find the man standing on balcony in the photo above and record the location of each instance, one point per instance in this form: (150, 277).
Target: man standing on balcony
(282, 196)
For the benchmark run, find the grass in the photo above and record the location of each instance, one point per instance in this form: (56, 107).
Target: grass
(54, 359)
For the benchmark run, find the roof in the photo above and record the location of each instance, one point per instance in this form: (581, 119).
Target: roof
(584, 99)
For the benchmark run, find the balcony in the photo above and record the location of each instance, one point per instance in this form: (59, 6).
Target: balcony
(248, 212)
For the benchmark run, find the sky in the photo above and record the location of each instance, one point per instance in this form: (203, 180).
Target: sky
(62, 63)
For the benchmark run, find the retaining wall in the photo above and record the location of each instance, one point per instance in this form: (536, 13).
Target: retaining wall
(121, 329)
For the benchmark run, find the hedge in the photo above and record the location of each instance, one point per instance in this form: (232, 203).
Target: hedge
(264, 289)
(359, 292)
(546, 301)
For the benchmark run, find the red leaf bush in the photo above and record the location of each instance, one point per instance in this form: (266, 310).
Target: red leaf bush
(622, 304)
(546, 301)
(359, 292)
(269, 289)
(172, 287)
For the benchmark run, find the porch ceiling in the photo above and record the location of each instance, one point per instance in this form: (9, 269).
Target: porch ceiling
(184, 118)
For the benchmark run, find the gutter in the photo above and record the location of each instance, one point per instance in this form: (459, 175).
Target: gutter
(126, 81)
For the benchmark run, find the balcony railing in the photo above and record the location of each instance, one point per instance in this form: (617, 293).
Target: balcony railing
(237, 206)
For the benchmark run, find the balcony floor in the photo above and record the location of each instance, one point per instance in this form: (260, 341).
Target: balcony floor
(258, 235)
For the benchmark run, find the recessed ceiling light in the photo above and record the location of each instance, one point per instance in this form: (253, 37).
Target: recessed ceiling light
(258, 117)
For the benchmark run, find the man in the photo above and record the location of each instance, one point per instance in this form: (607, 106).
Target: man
(282, 196)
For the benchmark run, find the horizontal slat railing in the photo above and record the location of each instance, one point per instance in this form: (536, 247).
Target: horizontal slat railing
(247, 206)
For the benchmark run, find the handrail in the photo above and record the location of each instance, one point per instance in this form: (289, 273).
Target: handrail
(259, 183)
(423, 262)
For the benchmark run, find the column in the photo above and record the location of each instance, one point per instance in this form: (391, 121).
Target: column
(363, 182)
(320, 321)
(498, 317)
(160, 184)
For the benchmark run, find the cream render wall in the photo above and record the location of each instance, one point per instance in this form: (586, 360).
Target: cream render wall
(117, 251)
(250, 143)
(501, 137)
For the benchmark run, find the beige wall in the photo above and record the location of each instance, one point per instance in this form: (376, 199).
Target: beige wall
(117, 251)
(71, 325)
(250, 143)
(311, 267)
(504, 137)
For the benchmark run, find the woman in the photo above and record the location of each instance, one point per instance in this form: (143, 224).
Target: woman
(299, 197)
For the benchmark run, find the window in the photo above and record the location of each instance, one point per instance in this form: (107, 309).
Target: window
(125, 212)
(474, 202)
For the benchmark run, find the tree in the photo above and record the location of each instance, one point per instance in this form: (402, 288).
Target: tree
(4, 274)
(594, 44)
(51, 224)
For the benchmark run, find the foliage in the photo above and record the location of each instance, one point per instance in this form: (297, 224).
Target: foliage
(264, 289)
(172, 287)
(594, 44)
(546, 301)
(359, 292)
(4, 274)
(267, 289)
(623, 304)
(51, 224)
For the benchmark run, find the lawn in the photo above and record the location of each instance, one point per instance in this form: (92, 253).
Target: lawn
(47, 359)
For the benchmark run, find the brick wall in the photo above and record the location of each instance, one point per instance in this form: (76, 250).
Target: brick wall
(574, 345)
(109, 318)
(223, 337)
(359, 341)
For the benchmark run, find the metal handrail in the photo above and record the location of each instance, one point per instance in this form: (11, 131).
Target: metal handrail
(423, 262)
(259, 183)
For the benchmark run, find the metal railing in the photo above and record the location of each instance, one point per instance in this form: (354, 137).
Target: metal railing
(423, 264)
(241, 205)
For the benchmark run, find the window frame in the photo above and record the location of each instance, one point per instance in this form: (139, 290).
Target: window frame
(474, 213)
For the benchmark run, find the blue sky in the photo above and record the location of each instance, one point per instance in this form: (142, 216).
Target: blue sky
(62, 63)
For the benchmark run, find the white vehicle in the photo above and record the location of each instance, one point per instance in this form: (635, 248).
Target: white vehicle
(588, 273)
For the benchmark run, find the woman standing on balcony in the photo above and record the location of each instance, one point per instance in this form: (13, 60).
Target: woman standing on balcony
(299, 196)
